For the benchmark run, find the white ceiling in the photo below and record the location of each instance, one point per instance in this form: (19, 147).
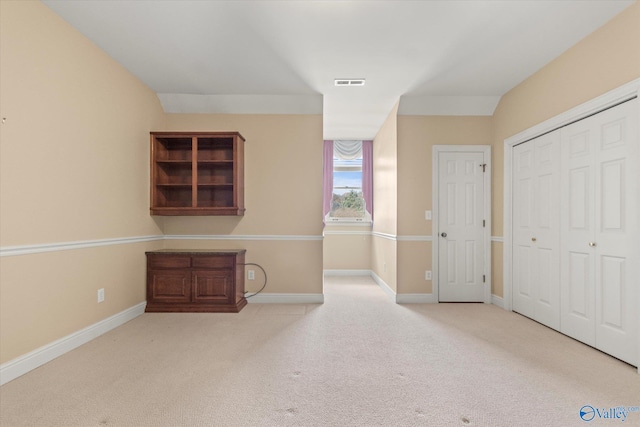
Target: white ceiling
(442, 57)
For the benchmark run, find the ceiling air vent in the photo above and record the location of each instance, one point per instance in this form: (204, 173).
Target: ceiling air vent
(349, 82)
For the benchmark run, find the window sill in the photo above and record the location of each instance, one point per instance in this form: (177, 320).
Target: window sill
(349, 223)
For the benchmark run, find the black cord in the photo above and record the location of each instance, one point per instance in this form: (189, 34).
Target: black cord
(265, 280)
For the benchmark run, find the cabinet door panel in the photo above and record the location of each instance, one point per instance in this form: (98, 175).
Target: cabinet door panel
(214, 286)
(169, 286)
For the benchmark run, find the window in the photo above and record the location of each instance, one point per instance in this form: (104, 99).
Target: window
(347, 200)
(348, 186)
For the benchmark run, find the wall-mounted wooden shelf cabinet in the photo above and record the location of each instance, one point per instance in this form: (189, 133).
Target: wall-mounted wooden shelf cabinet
(197, 173)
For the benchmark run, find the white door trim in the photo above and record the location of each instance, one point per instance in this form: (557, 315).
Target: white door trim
(486, 150)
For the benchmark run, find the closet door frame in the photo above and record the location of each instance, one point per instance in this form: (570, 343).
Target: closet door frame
(616, 96)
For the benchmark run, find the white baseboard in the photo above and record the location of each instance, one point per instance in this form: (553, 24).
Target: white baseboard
(384, 286)
(496, 300)
(397, 298)
(25, 363)
(347, 272)
(415, 299)
(287, 299)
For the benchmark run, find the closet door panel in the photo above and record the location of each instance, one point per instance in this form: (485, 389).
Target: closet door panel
(612, 294)
(523, 252)
(547, 229)
(617, 248)
(577, 230)
(546, 292)
(536, 221)
(578, 311)
(580, 213)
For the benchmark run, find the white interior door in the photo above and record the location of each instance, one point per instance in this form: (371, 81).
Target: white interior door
(461, 248)
(536, 233)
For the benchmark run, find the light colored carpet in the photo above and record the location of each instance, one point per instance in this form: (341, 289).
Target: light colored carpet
(356, 360)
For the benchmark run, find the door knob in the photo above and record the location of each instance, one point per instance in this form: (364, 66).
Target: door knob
(443, 234)
(592, 244)
(533, 239)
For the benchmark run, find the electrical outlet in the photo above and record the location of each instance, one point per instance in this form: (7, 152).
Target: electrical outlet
(251, 275)
(427, 215)
(100, 295)
(427, 275)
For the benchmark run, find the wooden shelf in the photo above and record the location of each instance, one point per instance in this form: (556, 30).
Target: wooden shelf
(197, 173)
(174, 162)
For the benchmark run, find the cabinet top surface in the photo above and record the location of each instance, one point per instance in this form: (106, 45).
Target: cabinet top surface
(197, 251)
(196, 134)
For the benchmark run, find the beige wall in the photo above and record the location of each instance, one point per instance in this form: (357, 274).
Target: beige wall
(384, 256)
(607, 58)
(414, 258)
(416, 137)
(283, 197)
(74, 155)
(385, 175)
(48, 296)
(347, 248)
(75, 144)
(384, 260)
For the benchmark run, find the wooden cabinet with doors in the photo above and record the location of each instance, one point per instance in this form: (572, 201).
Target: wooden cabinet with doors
(195, 281)
(197, 173)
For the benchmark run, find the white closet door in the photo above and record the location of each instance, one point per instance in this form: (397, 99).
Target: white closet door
(536, 229)
(547, 229)
(523, 256)
(600, 252)
(579, 143)
(617, 249)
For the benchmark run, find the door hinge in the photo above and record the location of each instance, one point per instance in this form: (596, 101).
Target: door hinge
(484, 167)
(484, 223)
(484, 278)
